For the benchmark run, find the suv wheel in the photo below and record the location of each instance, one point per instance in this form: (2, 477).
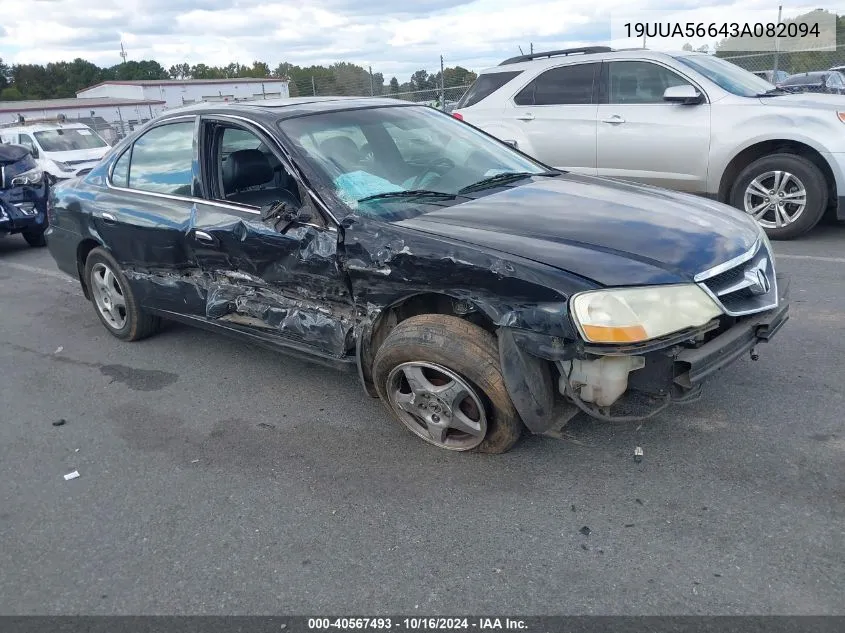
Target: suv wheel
(113, 299)
(785, 193)
(440, 376)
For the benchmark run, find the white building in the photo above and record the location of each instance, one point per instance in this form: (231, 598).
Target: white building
(123, 115)
(179, 92)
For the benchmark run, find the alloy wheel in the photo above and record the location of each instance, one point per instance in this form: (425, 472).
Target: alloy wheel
(108, 296)
(437, 405)
(775, 199)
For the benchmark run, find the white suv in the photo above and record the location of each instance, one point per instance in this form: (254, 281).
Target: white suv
(685, 121)
(60, 149)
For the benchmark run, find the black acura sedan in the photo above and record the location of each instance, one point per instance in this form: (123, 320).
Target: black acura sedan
(476, 291)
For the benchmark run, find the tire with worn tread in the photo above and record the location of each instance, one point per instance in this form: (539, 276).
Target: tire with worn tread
(465, 349)
(814, 182)
(139, 324)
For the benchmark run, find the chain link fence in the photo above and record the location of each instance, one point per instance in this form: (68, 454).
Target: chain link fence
(790, 62)
(366, 85)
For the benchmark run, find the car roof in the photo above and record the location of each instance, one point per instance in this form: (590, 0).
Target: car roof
(550, 59)
(279, 109)
(42, 127)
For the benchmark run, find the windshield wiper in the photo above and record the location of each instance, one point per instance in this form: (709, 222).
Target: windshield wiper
(410, 194)
(499, 179)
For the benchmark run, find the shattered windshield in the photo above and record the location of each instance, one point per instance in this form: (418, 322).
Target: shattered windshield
(396, 162)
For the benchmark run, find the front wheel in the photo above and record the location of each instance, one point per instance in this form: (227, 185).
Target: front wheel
(440, 376)
(785, 193)
(113, 299)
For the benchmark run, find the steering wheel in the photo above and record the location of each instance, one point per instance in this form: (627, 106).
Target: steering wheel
(438, 166)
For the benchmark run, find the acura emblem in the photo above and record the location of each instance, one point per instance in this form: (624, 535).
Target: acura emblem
(758, 282)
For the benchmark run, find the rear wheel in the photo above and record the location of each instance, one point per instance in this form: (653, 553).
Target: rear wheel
(440, 376)
(113, 300)
(785, 193)
(35, 238)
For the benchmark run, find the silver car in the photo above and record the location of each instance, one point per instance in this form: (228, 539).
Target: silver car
(685, 121)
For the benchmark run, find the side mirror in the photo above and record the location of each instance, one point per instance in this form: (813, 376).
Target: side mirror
(33, 150)
(686, 95)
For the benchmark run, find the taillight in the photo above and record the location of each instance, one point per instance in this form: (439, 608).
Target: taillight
(458, 116)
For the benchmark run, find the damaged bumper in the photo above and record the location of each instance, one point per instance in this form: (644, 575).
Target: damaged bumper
(625, 383)
(23, 209)
(692, 366)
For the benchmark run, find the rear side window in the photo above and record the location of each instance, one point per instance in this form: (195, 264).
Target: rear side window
(162, 160)
(566, 85)
(484, 86)
(120, 172)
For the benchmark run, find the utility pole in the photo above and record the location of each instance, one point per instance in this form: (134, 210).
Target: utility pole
(777, 49)
(123, 53)
(313, 87)
(372, 92)
(532, 48)
(442, 87)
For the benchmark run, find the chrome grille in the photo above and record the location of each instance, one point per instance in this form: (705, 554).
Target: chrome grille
(744, 285)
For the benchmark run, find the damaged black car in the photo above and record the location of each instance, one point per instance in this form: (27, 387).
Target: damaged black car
(23, 195)
(476, 291)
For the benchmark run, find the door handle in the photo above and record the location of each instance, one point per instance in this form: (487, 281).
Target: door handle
(527, 116)
(108, 218)
(613, 120)
(202, 236)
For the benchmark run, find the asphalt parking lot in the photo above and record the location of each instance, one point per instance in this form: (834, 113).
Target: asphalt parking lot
(220, 478)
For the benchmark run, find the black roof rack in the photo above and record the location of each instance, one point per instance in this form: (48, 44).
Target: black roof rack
(562, 52)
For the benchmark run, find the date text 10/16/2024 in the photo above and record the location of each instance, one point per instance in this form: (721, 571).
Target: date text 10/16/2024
(417, 624)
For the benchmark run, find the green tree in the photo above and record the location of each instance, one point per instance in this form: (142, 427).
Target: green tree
(259, 70)
(420, 80)
(10, 93)
(458, 76)
(5, 73)
(394, 86)
(180, 71)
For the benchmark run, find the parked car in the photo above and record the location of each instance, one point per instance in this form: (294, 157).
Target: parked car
(61, 149)
(685, 121)
(23, 195)
(475, 290)
(828, 81)
(772, 76)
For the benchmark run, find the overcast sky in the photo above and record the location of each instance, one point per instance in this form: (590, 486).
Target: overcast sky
(395, 41)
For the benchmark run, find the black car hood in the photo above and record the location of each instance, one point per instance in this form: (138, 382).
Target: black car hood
(11, 153)
(611, 232)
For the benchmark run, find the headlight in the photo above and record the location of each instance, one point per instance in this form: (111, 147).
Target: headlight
(632, 315)
(62, 166)
(31, 177)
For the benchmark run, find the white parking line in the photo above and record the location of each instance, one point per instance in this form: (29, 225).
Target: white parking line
(55, 274)
(814, 258)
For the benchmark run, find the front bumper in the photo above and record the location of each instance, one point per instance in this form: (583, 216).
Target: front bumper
(693, 366)
(23, 209)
